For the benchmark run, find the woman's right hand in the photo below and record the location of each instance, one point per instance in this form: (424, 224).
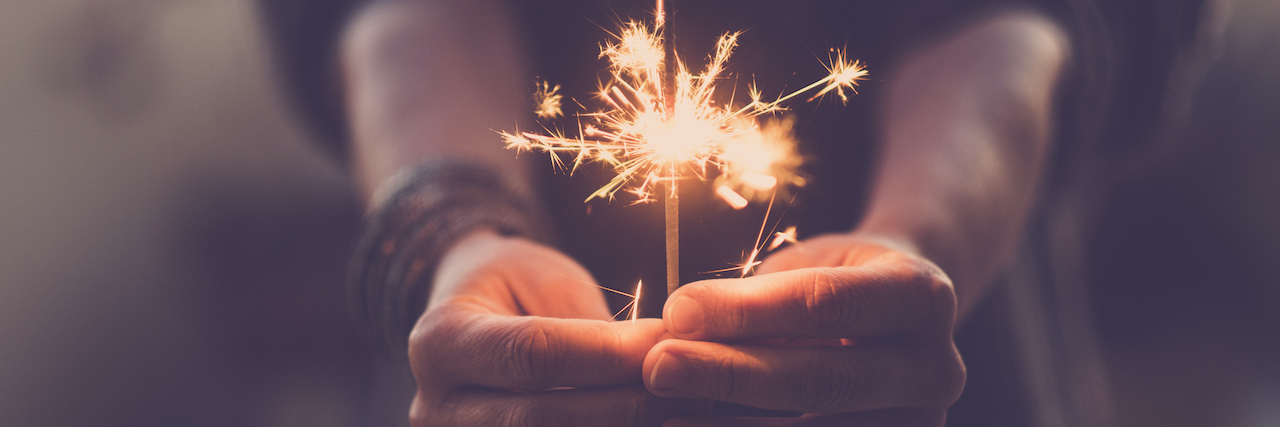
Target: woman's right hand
(518, 334)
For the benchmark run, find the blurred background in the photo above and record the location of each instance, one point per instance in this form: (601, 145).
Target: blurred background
(172, 245)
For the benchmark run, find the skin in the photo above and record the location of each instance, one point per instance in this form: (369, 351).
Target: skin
(509, 325)
(515, 333)
(850, 329)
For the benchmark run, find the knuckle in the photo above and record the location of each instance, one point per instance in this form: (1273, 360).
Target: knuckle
(428, 337)
(530, 356)
(637, 409)
(829, 303)
(937, 282)
(531, 414)
(738, 318)
(931, 290)
(937, 379)
(418, 413)
(420, 342)
(827, 387)
(729, 379)
(427, 411)
(948, 379)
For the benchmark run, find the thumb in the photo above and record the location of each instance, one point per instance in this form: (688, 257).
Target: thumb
(790, 258)
(547, 283)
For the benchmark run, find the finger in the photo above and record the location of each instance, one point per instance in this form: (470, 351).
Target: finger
(629, 406)
(885, 418)
(518, 277)
(816, 252)
(790, 258)
(529, 353)
(806, 379)
(847, 302)
(834, 250)
(560, 288)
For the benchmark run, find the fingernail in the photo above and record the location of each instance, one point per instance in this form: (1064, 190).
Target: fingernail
(686, 315)
(668, 373)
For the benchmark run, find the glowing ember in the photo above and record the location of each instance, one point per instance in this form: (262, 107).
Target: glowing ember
(731, 197)
(547, 98)
(787, 236)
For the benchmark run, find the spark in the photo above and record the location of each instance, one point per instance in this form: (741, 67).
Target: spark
(753, 260)
(635, 302)
(747, 267)
(547, 98)
(844, 75)
(634, 305)
(648, 140)
(781, 237)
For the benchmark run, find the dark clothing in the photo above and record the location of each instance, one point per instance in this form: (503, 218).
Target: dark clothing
(1029, 350)
(304, 35)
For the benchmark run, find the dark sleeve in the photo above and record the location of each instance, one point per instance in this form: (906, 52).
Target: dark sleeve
(1155, 47)
(304, 35)
(1127, 59)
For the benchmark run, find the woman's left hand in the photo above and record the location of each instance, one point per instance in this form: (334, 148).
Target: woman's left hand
(845, 329)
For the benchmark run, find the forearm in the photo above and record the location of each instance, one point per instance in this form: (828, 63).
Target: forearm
(966, 135)
(428, 80)
(425, 84)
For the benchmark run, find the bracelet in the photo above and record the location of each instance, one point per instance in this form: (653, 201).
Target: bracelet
(430, 207)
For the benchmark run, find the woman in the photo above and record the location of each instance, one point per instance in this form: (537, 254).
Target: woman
(939, 200)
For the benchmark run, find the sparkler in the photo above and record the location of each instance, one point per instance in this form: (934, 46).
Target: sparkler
(659, 123)
(634, 305)
(670, 204)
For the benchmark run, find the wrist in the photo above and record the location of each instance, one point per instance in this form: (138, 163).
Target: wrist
(432, 211)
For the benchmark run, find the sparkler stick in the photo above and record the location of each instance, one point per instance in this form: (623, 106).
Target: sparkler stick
(671, 203)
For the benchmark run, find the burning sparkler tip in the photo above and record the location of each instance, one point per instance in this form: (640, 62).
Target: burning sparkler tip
(657, 118)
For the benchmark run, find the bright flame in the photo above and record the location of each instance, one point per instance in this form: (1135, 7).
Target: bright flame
(645, 144)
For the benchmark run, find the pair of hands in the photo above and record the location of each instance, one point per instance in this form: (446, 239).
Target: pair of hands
(843, 329)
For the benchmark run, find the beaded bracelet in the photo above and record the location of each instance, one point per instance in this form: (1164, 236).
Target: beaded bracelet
(429, 208)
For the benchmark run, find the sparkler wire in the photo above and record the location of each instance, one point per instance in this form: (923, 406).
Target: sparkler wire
(671, 203)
